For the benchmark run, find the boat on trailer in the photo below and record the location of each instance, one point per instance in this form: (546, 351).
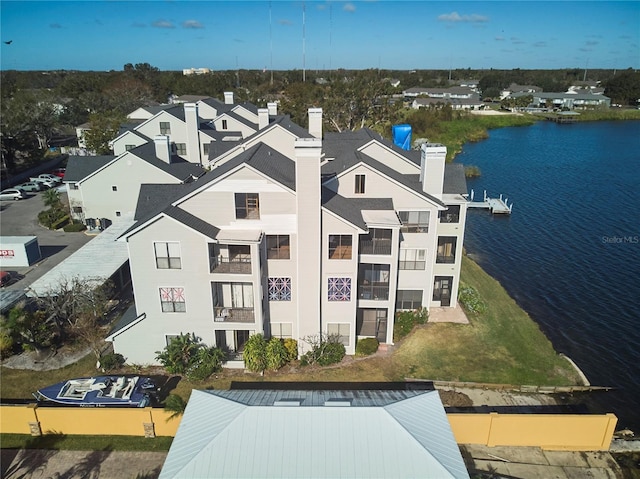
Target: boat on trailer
(101, 391)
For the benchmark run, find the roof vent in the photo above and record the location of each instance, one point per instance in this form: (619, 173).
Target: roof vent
(288, 402)
(338, 402)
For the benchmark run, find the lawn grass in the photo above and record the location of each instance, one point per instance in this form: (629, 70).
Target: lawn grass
(85, 443)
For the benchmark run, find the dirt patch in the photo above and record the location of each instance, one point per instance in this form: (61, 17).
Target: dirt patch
(454, 399)
(46, 361)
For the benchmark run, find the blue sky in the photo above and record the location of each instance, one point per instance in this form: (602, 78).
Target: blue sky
(222, 35)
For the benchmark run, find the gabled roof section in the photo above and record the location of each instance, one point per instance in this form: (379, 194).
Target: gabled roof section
(156, 197)
(455, 181)
(178, 168)
(79, 167)
(128, 319)
(350, 209)
(191, 221)
(241, 119)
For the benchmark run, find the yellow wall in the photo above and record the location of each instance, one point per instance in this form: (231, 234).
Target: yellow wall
(571, 432)
(579, 432)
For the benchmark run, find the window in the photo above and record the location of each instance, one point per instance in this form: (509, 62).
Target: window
(170, 337)
(359, 184)
(129, 147)
(281, 330)
(172, 300)
(181, 149)
(118, 213)
(114, 188)
(77, 209)
(278, 247)
(224, 124)
(340, 330)
(279, 289)
(340, 246)
(373, 281)
(412, 259)
(165, 128)
(377, 241)
(409, 299)
(414, 221)
(247, 206)
(446, 249)
(372, 323)
(167, 255)
(339, 289)
(205, 149)
(451, 215)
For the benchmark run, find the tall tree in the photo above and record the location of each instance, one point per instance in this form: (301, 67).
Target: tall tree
(104, 128)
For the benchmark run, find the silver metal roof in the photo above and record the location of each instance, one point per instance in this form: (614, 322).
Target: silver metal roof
(95, 261)
(219, 437)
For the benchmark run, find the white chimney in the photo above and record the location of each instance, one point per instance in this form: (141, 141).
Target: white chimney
(432, 160)
(263, 118)
(228, 98)
(308, 152)
(193, 136)
(315, 122)
(163, 148)
(273, 108)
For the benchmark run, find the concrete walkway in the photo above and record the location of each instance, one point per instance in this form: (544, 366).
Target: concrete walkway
(448, 315)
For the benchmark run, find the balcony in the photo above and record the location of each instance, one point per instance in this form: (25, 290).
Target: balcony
(374, 292)
(381, 246)
(233, 315)
(446, 259)
(238, 264)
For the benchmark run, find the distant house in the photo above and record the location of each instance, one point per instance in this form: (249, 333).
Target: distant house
(196, 71)
(328, 431)
(517, 89)
(460, 98)
(571, 101)
(456, 103)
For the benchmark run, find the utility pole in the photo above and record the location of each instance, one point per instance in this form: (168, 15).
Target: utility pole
(304, 75)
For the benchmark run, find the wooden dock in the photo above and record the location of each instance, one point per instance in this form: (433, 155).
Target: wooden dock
(494, 205)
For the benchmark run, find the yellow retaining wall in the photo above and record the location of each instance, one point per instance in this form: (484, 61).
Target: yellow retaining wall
(568, 432)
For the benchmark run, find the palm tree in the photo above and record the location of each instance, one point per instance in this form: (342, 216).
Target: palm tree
(176, 405)
(51, 199)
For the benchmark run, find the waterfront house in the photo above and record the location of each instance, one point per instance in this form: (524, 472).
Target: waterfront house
(294, 233)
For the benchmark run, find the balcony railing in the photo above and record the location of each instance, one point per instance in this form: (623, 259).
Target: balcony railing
(376, 293)
(380, 246)
(233, 315)
(445, 259)
(239, 264)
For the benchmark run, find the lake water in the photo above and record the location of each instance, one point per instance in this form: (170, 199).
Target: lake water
(569, 253)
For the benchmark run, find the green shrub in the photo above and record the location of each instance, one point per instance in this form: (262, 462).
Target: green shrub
(254, 354)
(366, 346)
(60, 222)
(406, 320)
(331, 353)
(207, 361)
(6, 344)
(74, 227)
(470, 299)
(276, 354)
(291, 345)
(179, 354)
(112, 361)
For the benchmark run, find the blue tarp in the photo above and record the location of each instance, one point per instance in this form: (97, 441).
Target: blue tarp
(402, 136)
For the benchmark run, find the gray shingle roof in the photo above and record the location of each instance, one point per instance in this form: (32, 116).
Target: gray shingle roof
(79, 167)
(350, 209)
(455, 181)
(192, 221)
(178, 168)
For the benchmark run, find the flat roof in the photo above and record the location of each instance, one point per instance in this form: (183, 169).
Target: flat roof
(95, 261)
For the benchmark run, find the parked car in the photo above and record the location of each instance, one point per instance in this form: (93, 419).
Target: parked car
(12, 194)
(31, 186)
(59, 172)
(6, 278)
(44, 182)
(47, 176)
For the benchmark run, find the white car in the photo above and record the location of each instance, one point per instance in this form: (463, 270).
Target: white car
(12, 194)
(31, 186)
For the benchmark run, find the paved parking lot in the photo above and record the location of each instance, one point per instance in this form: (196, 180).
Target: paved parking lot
(20, 218)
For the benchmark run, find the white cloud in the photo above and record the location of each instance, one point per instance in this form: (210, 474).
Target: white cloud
(192, 24)
(455, 17)
(162, 24)
(349, 7)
